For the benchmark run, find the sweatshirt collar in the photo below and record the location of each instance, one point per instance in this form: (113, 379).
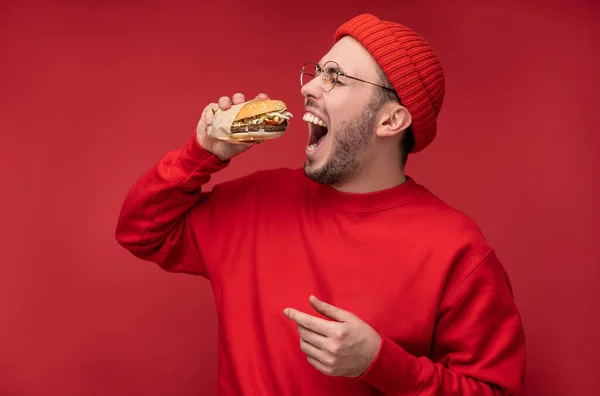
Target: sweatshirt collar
(373, 201)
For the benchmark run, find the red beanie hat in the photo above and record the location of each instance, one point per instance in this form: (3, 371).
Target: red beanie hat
(410, 64)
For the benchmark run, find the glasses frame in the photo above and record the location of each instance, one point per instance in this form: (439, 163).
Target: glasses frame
(338, 73)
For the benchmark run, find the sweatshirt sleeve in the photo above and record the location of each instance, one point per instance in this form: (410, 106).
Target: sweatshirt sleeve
(161, 216)
(478, 346)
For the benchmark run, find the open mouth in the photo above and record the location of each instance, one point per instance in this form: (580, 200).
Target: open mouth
(317, 131)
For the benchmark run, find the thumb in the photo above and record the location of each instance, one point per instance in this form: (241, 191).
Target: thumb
(331, 311)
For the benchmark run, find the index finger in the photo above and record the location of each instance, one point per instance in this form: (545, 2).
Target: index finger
(209, 112)
(209, 109)
(310, 322)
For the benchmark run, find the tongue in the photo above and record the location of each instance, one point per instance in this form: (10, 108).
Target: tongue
(316, 142)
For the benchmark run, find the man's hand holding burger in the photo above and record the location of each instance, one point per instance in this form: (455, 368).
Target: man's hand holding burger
(221, 149)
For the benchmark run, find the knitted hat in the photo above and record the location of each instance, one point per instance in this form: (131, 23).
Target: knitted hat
(410, 64)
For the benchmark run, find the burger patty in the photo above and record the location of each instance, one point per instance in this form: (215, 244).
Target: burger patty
(258, 127)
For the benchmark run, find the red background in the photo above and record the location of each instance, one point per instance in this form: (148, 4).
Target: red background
(94, 93)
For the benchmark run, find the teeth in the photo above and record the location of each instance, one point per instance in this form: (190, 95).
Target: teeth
(311, 118)
(311, 147)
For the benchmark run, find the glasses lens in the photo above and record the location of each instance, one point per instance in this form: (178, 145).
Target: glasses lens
(329, 75)
(307, 73)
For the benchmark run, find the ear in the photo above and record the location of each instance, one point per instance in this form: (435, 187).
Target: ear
(393, 119)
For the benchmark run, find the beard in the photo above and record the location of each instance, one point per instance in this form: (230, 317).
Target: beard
(350, 141)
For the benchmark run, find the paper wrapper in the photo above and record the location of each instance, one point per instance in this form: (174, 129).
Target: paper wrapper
(221, 127)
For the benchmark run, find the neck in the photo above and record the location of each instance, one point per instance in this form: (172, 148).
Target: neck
(373, 178)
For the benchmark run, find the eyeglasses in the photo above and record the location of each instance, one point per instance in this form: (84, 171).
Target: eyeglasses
(329, 75)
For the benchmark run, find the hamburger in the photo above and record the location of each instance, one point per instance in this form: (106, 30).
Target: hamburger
(256, 120)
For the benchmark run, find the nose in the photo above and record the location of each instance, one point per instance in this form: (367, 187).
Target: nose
(312, 89)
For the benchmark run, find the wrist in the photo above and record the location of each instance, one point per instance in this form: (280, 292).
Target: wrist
(373, 350)
(196, 154)
(395, 371)
(204, 143)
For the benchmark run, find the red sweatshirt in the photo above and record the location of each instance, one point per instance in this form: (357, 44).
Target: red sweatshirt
(416, 270)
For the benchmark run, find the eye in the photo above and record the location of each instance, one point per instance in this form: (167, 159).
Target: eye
(327, 78)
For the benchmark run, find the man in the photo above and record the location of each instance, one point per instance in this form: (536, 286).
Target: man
(346, 277)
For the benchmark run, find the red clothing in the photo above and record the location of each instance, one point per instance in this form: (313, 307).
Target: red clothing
(417, 271)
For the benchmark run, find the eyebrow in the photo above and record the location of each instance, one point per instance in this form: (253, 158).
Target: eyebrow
(332, 67)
